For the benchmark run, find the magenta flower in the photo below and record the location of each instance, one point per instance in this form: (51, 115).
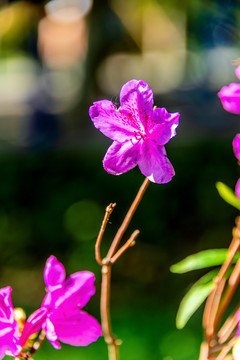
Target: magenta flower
(236, 150)
(236, 146)
(230, 96)
(139, 132)
(60, 315)
(9, 331)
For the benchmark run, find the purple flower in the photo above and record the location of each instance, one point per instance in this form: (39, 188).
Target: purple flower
(236, 146)
(230, 96)
(9, 331)
(60, 315)
(139, 132)
(236, 150)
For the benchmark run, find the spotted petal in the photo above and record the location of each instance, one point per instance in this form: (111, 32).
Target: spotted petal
(110, 121)
(154, 163)
(230, 98)
(121, 157)
(136, 98)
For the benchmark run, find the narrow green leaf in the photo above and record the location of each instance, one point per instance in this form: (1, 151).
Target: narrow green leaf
(200, 260)
(194, 298)
(228, 195)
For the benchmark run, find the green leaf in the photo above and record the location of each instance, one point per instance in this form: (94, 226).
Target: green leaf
(200, 260)
(228, 195)
(194, 298)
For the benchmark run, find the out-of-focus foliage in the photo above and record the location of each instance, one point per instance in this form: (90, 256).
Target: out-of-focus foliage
(228, 195)
(201, 260)
(194, 298)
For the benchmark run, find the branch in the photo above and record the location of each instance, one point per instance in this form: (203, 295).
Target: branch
(130, 242)
(109, 210)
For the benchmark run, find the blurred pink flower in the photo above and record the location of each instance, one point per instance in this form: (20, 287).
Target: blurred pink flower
(139, 132)
(236, 146)
(230, 96)
(9, 331)
(60, 315)
(236, 150)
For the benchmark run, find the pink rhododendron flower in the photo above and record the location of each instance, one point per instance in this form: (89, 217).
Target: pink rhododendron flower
(60, 315)
(236, 150)
(236, 146)
(9, 331)
(230, 96)
(139, 132)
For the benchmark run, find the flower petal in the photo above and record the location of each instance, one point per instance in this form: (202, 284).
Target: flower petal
(136, 98)
(154, 163)
(236, 146)
(230, 98)
(237, 189)
(34, 324)
(76, 292)
(54, 273)
(237, 71)
(80, 329)
(6, 306)
(121, 157)
(165, 125)
(9, 331)
(51, 335)
(110, 121)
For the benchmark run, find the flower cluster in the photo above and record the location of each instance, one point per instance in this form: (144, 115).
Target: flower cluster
(60, 315)
(230, 98)
(139, 132)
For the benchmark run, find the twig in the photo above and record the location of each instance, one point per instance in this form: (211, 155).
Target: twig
(109, 210)
(225, 350)
(106, 263)
(109, 338)
(128, 218)
(210, 328)
(227, 328)
(215, 307)
(233, 248)
(232, 285)
(128, 244)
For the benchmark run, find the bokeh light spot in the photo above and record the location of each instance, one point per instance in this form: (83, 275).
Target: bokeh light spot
(83, 219)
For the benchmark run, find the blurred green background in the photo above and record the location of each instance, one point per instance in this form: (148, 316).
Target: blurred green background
(56, 58)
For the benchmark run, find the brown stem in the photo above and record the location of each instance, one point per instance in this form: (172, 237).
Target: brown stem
(210, 329)
(232, 285)
(215, 307)
(128, 244)
(108, 261)
(109, 338)
(109, 210)
(225, 350)
(127, 218)
(233, 248)
(227, 328)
